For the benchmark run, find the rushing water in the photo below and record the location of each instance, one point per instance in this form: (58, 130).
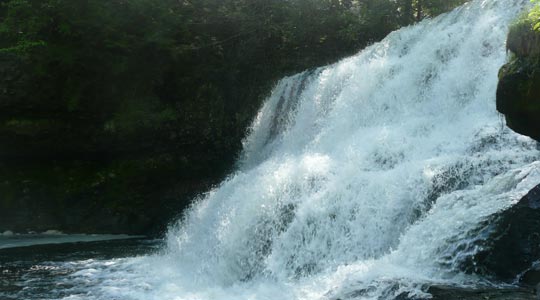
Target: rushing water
(356, 182)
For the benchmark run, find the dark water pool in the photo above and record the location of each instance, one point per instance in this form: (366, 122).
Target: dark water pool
(43, 271)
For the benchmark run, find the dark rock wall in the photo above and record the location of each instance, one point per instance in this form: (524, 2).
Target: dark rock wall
(512, 246)
(518, 93)
(125, 164)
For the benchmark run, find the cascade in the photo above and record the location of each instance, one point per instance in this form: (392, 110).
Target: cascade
(358, 180)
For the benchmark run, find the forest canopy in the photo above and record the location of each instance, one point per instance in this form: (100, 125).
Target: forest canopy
(122, 60)
(131, 100)
(192, 25)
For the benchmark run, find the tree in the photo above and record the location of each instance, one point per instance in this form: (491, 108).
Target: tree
(534, 15)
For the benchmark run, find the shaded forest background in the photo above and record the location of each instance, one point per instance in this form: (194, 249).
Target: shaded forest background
(114, 113)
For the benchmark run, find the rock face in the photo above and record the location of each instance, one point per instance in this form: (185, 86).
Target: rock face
(511, 245)
(454, 293)
(518, 96)
(518, 93)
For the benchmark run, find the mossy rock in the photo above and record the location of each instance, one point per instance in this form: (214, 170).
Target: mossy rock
(518, 92)
(518, 97)
(523, 40)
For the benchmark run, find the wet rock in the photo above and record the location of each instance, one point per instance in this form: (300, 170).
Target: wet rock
(440, 292)
(531, 277)
(518, 96)
(518, 92)
(511, 246)
(455, 293)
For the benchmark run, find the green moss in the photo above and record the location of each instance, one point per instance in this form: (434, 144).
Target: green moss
(9, 194)
(28, 126)
(125, 187)
(518, 93)
(140, 114)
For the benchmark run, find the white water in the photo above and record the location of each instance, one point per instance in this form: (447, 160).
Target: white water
(358, 179)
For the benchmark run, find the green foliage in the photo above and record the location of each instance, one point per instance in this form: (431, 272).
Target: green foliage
(160, 74)
(20, 27)
(534, 15)
(531, 18)
(436, 7)
(128, 97)
(524, 34)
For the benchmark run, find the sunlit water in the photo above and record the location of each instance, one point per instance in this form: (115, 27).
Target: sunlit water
(358, 180)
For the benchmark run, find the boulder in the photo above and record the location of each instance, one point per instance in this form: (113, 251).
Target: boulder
(518, 92)
(518, 96)
(511, 246)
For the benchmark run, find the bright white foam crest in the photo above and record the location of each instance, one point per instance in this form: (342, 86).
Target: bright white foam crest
(358, 179)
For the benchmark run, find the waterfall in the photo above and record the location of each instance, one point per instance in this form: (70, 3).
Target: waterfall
(358, 180)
